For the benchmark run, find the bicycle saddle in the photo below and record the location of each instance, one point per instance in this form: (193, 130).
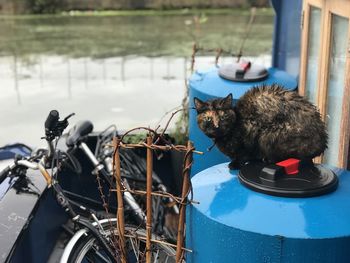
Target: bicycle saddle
(78, 132)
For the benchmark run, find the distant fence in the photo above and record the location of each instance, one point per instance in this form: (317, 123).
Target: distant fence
(27, 6)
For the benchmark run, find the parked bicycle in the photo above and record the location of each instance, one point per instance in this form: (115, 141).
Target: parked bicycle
(94, 240)
(133, 173)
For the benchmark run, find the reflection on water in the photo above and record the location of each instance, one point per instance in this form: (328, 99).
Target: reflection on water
(109, 36)
(127, 91)
(83, 65)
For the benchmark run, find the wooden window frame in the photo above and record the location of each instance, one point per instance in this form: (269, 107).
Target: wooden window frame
(328, 8)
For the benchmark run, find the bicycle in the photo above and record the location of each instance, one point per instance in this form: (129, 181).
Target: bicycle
(133, 173)
(97, 239)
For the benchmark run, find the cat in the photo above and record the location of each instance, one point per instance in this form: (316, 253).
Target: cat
(268, 123)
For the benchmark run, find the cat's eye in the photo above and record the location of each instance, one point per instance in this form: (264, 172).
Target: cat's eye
(223, 117)
(207, 119)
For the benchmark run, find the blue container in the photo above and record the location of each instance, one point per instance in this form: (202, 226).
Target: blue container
(235, 224)
(209, 85)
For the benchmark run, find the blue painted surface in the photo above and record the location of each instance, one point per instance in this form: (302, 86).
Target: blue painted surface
(286, 40)
(11, 150)
(208, 85)
(235, 224)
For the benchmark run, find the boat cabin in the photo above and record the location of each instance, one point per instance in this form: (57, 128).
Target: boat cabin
(312, 43)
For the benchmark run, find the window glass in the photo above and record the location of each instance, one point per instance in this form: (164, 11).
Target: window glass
(313, 54)
(336, 82)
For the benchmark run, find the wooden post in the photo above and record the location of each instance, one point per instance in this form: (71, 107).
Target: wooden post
(149, 199)
(185, 189)
(120, 210)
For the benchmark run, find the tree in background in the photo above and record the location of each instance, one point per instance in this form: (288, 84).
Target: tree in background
(45, 6)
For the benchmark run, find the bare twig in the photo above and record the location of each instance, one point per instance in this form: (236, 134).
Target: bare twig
(218, 54)
(178, 200)
(157, 241)
(193, 56)
(138, 128)
(164, 115)
(179, 148)
(167, 124)
(247, 32)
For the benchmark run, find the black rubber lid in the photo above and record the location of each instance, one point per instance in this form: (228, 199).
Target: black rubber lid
(243, 72)
(306, 180)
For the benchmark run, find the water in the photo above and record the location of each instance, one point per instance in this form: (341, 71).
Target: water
(126, 70)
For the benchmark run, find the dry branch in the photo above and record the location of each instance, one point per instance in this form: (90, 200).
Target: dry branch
(120, 210)
(185, 191)
(149, 199)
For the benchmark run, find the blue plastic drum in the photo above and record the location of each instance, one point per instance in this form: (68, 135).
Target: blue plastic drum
(235, 224)
(209, 85)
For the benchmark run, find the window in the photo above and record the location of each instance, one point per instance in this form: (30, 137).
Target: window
(313, 50)
(325, 70)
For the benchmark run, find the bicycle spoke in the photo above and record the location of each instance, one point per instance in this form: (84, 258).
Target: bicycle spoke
(96, 254)
(156, 257)
(100, 256)
(134, 248)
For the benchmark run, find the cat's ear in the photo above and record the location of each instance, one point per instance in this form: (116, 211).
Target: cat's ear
(227, 101)
(199, 105)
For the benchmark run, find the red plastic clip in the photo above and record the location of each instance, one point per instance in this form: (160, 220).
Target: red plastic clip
(245, 66)
(291, 166)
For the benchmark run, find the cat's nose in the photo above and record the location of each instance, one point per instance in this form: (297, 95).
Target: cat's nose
(215, 122)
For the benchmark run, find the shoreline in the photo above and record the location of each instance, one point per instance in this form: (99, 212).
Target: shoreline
(147, 12)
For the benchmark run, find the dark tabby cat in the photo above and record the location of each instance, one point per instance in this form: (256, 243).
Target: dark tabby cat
(268, 123)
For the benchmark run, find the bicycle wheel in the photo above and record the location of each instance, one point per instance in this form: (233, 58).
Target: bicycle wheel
(87, 248)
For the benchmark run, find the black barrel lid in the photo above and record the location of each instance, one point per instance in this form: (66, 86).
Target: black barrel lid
(243, 72)
(290, 178)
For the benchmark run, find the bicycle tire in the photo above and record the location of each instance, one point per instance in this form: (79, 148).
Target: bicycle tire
(86, 247)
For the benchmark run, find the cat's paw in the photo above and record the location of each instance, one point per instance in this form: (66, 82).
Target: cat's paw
(234, 165)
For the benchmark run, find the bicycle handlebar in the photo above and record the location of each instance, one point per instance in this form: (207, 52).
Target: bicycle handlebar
(53, 126)
(51, 121)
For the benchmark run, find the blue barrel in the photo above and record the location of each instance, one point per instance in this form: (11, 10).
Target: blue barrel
(235, 224)
(209, 85)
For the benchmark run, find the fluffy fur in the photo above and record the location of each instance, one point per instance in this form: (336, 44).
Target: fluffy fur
(268, 123)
